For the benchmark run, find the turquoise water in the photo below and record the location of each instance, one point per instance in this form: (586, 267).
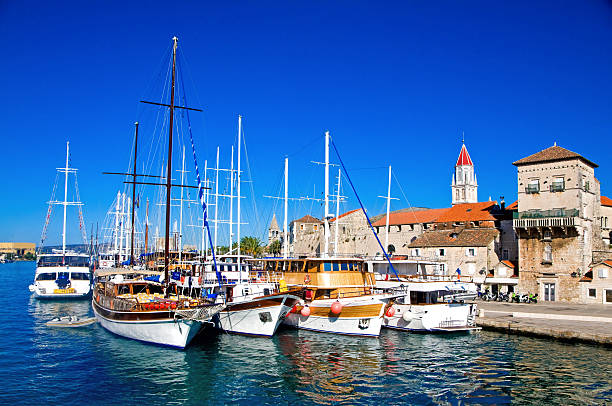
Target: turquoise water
(42, 365)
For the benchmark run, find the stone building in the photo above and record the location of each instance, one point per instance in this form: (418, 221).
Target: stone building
(274, 231)
(18, 249)
(605, 221)
(557, 223)
(305, 236)
(596, 284)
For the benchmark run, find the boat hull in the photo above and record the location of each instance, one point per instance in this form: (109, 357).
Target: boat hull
(359, 317)
(258, 317)
(441, 317)
(151, 327)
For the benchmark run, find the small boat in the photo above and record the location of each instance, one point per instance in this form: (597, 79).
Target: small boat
(71, 321)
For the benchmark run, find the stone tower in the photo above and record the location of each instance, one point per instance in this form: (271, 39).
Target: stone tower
(464, 186)
(274, 231)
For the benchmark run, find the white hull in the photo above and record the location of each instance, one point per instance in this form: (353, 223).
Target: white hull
(258, 320)
(360, 317)
(174, 333)
(433, 318)
(48, 289)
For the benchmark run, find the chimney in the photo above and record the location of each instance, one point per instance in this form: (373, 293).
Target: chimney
(502, 204)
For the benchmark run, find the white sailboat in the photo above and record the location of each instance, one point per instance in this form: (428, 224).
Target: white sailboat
(62, 273)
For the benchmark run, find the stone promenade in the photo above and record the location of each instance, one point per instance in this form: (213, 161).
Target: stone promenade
(567, 322)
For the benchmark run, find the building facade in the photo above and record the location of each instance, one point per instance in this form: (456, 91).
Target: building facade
(18, 249)
(557, 223)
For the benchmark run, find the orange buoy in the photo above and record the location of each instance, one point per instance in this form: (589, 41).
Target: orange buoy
(305, 311)
(293, 309)
(336, 307)
(173, 306)
(390, 312)
(156, 306)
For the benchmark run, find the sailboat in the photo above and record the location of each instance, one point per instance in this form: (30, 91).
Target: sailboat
(62, 273)
(150, 308)
(255, 303)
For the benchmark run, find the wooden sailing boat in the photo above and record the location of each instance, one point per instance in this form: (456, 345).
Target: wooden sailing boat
(151, 309)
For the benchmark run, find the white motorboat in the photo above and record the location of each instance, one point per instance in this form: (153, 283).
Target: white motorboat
(62, 275)
(71, 321)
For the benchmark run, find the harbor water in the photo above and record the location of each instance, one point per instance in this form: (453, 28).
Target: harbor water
(45, 365)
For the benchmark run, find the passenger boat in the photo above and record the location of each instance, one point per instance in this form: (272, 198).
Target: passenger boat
(132, 305)
(62, 274)
(425, 302)
(338, 295)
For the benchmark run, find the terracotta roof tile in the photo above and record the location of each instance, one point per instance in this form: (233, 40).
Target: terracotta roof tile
(608, 262)
(344, 215)
(513, 206)
(464, 238)
(551, 154)
(468, 212)
(509, 264)
(411, 217)
(308, 219)
(606, 201)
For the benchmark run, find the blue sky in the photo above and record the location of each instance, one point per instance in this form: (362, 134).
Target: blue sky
(396, 83)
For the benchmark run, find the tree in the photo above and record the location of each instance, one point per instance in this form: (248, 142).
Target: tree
(29, 256)
(251, 246)
(275, 247)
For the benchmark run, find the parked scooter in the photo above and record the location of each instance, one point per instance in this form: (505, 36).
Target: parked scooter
(533, 298)
(515, 297)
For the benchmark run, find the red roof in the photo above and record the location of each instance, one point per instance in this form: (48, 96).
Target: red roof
(307, 219)
(608, 262)
(468, 212)
(606, 201)
(553, 154)
(344, 215)
(464, 157)
(411, 217)
(513, 206)
(508, 263)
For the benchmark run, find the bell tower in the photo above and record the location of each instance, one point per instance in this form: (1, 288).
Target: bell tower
(464, 187)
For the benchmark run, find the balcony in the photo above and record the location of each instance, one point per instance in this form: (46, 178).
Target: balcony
(545, 218)
(530, 189)
(557, 187)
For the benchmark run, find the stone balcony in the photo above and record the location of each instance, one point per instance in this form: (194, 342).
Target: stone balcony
(562, 218)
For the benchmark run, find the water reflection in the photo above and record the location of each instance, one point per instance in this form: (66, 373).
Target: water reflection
(91, 365)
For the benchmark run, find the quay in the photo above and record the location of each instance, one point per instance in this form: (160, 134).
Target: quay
(589, 323)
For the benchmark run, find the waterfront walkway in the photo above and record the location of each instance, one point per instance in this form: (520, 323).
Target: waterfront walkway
(563, 321)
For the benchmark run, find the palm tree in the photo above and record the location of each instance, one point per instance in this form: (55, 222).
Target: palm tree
(251, 246)
(275, 247)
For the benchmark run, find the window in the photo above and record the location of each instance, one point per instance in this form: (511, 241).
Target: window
(441, 252)
(533, 186)
(607, 295)
(470, 252)
(505, 254)
(316, 227)
(593, 293)
(46, 277)
(549, 292)
(442, 269)
(79, 276)
(399, 229)
(602, 273)
(301, 226)
(558, 184)
(547, 254)
(547, 235)
(416, 252)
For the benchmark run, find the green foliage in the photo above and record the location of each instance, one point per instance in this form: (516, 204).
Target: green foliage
(251, 246)
(29, 256)
(275, 247)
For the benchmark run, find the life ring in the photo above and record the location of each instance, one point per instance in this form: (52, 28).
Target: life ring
(307, 279)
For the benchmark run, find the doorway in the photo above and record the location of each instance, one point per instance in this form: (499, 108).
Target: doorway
(549, 292)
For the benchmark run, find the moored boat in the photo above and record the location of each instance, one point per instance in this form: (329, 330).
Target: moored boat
(338, 295)
(60, 275)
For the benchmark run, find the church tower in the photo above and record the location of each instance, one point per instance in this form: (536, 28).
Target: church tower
(273, 231)
(464, 186)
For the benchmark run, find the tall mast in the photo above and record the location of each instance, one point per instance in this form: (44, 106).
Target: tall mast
(231, 213)
(285, 242)
(238, 195)
(337, 215)
(388, 211)
(122, 227)
(169, 169)
(134, 191)
(326, 192)
(116, 242)
(205, 241)
(216, 199)
(65, 204)
(146, 242)
(181, 210)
